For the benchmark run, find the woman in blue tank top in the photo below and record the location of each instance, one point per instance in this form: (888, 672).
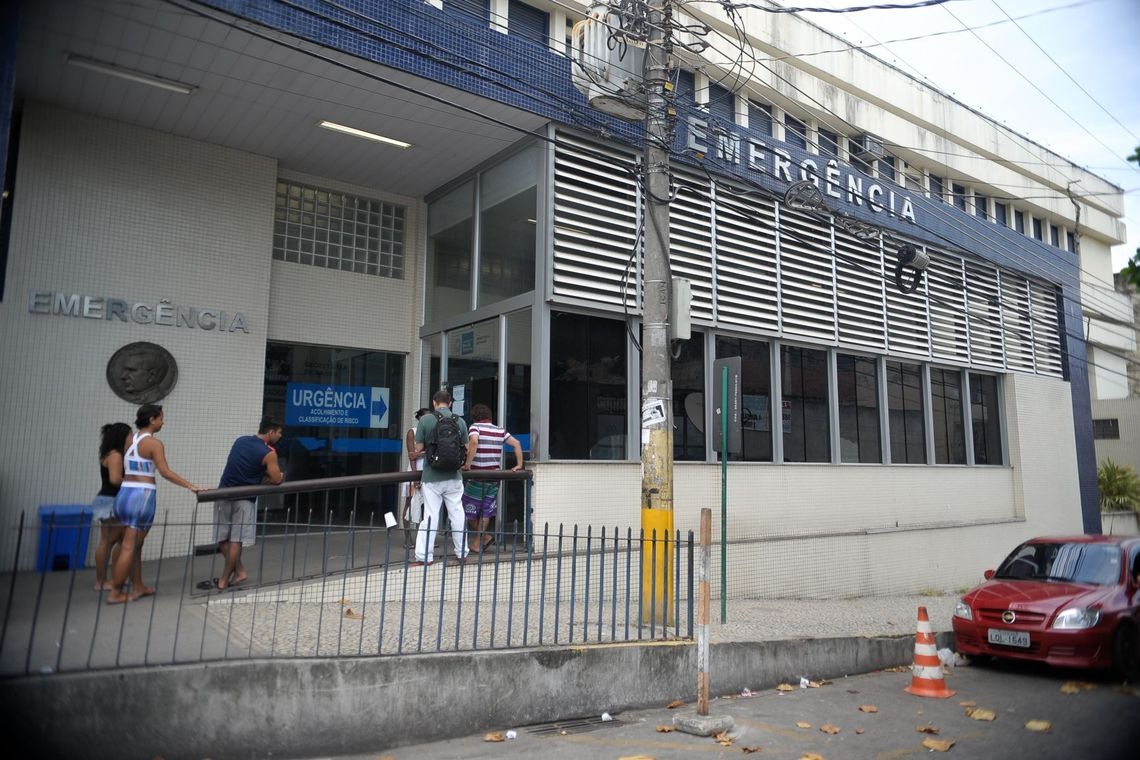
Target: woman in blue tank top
(144, 460)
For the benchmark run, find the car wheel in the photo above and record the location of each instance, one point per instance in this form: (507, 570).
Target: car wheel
(1126, 652)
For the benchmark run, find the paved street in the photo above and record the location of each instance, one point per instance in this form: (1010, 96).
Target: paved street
(1101, 721)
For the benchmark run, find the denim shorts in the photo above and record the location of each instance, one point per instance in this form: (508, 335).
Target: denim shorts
(102, 508)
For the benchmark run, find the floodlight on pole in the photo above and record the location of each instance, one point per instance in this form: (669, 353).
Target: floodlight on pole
(914, 259)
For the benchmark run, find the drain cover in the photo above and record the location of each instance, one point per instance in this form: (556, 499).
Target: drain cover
(580, 726)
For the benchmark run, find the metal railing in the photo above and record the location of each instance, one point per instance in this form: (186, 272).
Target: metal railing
(317, 589)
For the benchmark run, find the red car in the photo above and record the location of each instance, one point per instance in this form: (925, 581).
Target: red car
(1071, 601)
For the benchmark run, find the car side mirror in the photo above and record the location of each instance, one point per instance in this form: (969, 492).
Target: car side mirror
(988, 574)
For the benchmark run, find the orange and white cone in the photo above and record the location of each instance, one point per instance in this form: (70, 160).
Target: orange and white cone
(926, 673)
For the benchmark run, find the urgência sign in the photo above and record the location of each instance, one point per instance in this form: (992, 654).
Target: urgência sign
(162, 313)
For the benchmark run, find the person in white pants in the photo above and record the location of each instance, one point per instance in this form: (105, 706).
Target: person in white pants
(439, 488)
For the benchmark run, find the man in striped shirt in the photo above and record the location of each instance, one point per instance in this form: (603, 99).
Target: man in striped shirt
(485, 441)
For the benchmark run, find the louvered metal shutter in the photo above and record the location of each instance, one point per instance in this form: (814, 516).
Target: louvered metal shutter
(947, 293)
(859, 291)
(746, 275)
(1015, 322)
(983, 315)
(807, 283)
(690, 241)
(595, 224)
(1046, 329)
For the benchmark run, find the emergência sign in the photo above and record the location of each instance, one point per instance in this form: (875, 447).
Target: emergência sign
(162, 313)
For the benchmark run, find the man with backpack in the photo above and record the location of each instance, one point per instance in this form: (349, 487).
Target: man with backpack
(442, 437)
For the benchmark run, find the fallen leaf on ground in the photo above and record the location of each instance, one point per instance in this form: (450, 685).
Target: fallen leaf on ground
(945, 670)
(811, 756)
(785, 687)
(868, 708)
(802, 724)
(675, 704)
(859, 731)
(1076, 687)
(1041, 726)
(827, 728)
(938, 745)
(852, 691)
(494, 736)
(749, 750)
(897, 669)
(927, 729)
(814, 684)
(967, 703)
(664, 729)
(345, 601)
(723, 739)
(980, 713)
(351, 615)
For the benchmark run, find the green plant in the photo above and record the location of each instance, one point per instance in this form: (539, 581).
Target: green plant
(1119, 487)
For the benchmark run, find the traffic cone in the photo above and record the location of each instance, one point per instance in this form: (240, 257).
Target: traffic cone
(926, 673)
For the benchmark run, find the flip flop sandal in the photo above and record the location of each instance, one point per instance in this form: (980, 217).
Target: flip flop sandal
(211, 585)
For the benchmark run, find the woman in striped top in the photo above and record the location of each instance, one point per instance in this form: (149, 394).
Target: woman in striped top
(485, 441)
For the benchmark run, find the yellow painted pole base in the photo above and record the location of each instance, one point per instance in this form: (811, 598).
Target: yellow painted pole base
(658, 570)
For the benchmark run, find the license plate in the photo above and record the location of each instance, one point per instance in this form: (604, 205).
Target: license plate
(1009, 638)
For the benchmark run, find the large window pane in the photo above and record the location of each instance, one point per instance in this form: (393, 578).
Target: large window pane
(473, 367)
(857, 379)
(517, 417)
(587, 387)
(906, 416)
(508, 199)
(806, 421)
(324, 446)
(756, 395)
(985, 419)
(946, 404)
(450, 240)
(689, 401)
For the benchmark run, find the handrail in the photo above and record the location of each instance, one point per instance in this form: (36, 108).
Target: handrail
(348, 481)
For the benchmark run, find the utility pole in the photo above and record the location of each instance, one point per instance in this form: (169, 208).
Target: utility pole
(656, 372)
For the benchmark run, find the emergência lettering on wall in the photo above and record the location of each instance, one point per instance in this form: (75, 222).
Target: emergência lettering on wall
(162, 313)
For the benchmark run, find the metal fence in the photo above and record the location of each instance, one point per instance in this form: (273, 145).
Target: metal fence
(317, 589)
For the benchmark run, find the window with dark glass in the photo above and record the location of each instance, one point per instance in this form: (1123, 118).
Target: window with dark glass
(527, 22)
(985, 419)
(959, 193)
(906, 416)
(1070, 241)
(688, 401)
(1001, 214)
(722, 103)
(795, 132)
(937, 189)
(321, 445)
(1019, 220)
(587, 387)
(804, 410)
(477, 10)
(1054, 236)
(857, 384)
(981, 206)
(1038, 230)
(886, 166)
(760, 117)
(755, 395)
(828, 143)
(946, 405)
(1106, 429)
(450, 231)
(686, 91)
(508, 200)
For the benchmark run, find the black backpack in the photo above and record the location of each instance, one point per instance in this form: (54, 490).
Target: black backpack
(446, 450)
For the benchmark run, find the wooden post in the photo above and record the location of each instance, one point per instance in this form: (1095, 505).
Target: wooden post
(703, 613)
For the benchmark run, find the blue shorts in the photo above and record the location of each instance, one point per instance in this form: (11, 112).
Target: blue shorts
(134, 507)
(102, 508)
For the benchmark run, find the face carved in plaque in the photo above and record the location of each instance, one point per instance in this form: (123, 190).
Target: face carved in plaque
(142, 373)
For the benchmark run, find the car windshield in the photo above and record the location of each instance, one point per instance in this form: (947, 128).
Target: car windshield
(1096, 564)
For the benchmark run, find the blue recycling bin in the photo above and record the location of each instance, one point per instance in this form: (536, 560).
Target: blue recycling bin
(64, 530)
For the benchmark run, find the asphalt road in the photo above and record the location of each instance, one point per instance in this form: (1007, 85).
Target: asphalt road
(1100, 721)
